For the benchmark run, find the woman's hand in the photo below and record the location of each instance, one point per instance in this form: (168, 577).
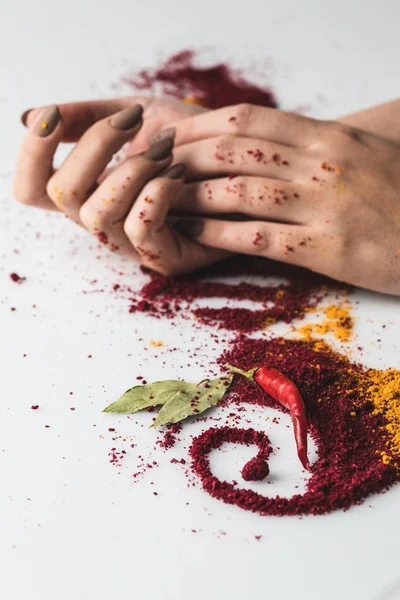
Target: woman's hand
(126, 206)
(318, 194)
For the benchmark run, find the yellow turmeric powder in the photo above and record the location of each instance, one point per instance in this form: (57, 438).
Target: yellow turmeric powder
(384, 393)
(156, 343)
(191, 100)
(338, 321)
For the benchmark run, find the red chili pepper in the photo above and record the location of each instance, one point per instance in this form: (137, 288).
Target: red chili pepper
(284, 391)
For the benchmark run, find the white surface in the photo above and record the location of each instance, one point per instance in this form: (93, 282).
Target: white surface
(87, 531)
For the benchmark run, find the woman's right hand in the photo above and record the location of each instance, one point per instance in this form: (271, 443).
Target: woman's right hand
(125, 206)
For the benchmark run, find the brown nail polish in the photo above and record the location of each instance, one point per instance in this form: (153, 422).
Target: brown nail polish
(190, 227)
(47, 121)
(162, 134)
(127, 118)
(160, 150)
(24, 116)
(175, 172)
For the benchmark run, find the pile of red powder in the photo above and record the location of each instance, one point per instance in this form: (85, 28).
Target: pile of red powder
(216, 86)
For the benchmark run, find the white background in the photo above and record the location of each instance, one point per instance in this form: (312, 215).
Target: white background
(87, 531)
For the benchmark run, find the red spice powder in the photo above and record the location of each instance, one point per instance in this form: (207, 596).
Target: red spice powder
(348, 468)
(164, 297)
(213, 87)
(170, 438)
(256, 469)
(16, 278)
(102, 237)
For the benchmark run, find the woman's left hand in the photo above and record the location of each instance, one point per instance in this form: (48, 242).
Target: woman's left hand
(317, 194)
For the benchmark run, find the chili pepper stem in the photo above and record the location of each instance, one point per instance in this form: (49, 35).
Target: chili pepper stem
(249, 374)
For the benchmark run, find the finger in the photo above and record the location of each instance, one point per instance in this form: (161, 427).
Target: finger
(246, 120)
(104, 212)
(79, 116)
(227, 155)
(287, 243)
(159, 245)
(70, 185)
(35, 159)
(257, 197)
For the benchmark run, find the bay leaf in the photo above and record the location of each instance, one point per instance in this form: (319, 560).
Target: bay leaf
(193, 401)
(151, 394)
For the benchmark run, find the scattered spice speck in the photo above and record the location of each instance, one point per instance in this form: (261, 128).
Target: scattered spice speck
(17, 278)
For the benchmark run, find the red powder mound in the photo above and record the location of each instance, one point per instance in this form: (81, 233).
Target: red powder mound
(213, 87)
(256, 469)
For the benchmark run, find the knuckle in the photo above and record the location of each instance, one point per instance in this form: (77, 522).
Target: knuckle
(340, 135)
(166, 270)
(52, 190)
(89, 217)
(60, 191)
(242, 117)
(224, 148)
(240, 187)
(260, 239)
(135, 232)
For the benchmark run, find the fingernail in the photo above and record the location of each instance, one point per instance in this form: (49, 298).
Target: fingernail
(24, 116)
(162, 134)
(175, 172)
(47, 121)
(190, 227)
(160, 150)
(127, 118)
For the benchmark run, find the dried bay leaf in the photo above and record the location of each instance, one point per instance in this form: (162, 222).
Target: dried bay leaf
(151, 394)
(189, 402)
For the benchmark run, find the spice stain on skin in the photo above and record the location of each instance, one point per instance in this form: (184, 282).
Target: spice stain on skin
(257, 154)
(59, 195)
